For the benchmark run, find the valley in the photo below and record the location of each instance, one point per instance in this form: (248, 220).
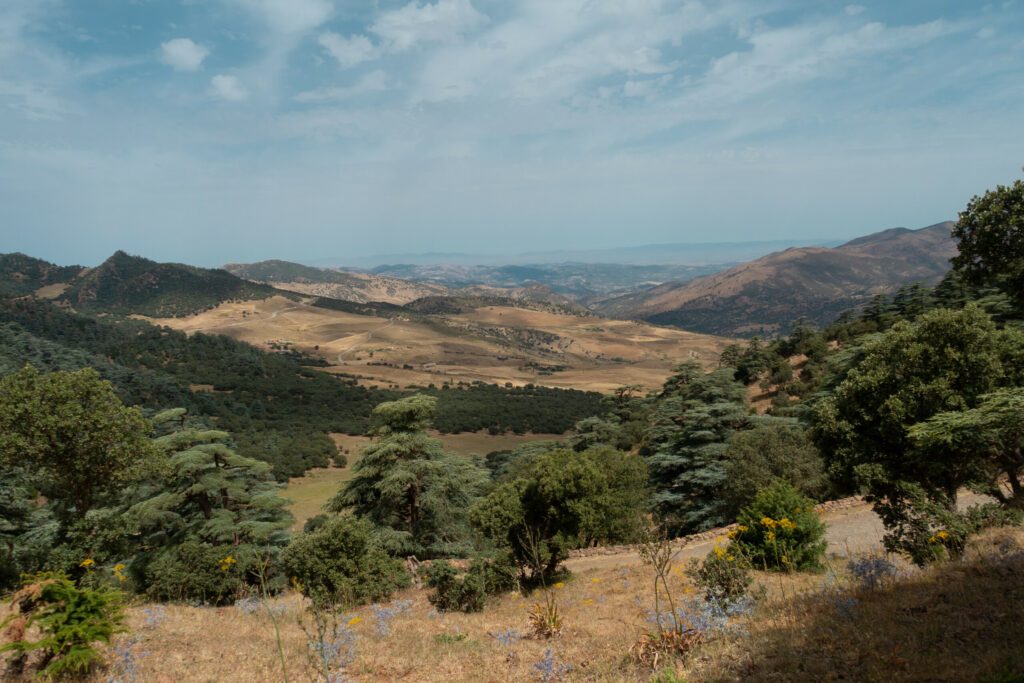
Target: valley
(492, 344)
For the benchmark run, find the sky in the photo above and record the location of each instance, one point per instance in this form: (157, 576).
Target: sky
(213, 131)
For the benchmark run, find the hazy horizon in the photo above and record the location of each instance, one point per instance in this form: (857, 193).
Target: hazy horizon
(244, 130)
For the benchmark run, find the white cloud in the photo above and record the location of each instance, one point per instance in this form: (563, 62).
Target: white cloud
(854, 10)
(375, 81)
(290, 16)
(348, 51)
(442, 22)
(228, 88)
(986, 33)
(182, 54)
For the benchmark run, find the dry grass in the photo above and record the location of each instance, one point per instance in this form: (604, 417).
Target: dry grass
(953, 622)
(494, 344)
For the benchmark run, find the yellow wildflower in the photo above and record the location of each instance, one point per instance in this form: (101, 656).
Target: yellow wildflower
(719, 551)
(770, 535)
(768, 522)
(943, 535)
(87, 563)
(225, 563)
(730, 558)
(559, 585)
(588, 601)
(595, 580)
(353, 621)
(119, 572)
(741, 528)
(932, 539)
(785, 523)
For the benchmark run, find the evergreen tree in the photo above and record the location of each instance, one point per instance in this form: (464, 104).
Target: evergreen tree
(208, 492)
(407, 485)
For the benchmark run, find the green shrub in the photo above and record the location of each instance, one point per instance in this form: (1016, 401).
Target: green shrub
(469, 592)
(199, 572)
(69, 619)
(781, 530)
(926, 531)
(343, 562)
(724, 575)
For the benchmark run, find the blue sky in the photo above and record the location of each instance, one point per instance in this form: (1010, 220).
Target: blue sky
(209, 131)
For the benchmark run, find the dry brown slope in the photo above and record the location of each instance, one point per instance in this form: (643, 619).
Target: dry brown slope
(813, 282)
(495, 344)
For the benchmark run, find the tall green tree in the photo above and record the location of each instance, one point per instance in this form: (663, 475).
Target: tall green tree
(986, 442)
(417, 494)
(946, 361)
(990, 235)
(206, 491)
(74, 438)
(566, 500)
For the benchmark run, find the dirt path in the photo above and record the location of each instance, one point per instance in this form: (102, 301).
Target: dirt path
(852, 530)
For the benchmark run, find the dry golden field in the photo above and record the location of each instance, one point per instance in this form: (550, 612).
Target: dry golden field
(494, 344)
(957, 621)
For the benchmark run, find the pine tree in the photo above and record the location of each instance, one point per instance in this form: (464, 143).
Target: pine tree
(208, 492)
(409, 487)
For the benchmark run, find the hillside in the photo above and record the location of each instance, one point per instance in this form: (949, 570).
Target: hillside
(954, 621)
(131, 284)
(333, 283)
(443, 340)
(817, 283)
(22, 275)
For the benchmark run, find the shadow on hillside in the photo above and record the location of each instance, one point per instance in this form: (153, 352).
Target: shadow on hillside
(963, 621)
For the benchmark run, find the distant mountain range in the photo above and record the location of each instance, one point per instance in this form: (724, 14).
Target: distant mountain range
(765, 295)
(762, 296)
(676, 253)
(581, 281)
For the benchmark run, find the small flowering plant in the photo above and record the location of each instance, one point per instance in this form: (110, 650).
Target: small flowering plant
(780, 531)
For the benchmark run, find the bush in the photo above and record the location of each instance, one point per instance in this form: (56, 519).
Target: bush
(778, 450)
(200, 572)
(926, 531)
(724, 575)
(468, 593)
(343, 562)
(781, 530)
(70, 619)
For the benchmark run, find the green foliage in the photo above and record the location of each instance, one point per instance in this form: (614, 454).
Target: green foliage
(724, 575)
(343, 562)
(943, 362)
(781, 530)
(406, 484)
(132, 284)
(990, 234)
(193, 571)
(688, 470)
(566, 500)
(70, 621)
(926, 530)
(774, 450)
(986, 442)
(72, 434)
(206, 503)
(468, 592)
